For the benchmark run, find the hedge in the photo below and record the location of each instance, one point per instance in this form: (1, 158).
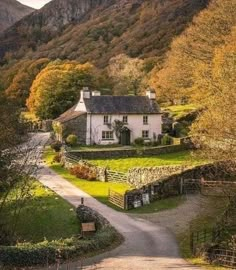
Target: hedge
(27, 254)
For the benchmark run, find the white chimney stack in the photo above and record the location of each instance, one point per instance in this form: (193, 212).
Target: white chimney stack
(96, 93)
(84, 94)
(151, 94)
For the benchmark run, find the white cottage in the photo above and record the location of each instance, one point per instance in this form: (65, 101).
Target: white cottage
(98, 119)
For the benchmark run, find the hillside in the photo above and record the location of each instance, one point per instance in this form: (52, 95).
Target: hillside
(12, 11)
(97, 30)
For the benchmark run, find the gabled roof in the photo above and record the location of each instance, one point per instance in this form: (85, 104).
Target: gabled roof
(121, 105)
(69, 115)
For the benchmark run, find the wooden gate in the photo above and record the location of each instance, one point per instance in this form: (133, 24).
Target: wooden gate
(117, 199)
(119, 177)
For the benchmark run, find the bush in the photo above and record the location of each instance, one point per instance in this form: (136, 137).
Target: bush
(27, 254)
(44, 253)
(84, 172)
(167, 140)
(56, 146)
(72, 140)
(139, 141)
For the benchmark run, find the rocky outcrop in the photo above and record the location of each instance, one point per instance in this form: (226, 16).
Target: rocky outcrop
(96, 30)
(12, 11)
(48, 22)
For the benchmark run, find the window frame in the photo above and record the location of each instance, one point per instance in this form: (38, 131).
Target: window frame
(125, 117)
(145, 119)
(146, 132)
(106, 137)
(106, 119)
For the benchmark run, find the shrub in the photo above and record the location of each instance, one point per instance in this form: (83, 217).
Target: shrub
(27, 254)
(56, 146)
(72, 140)
(84, 172)
(139, 141)
(167, 140)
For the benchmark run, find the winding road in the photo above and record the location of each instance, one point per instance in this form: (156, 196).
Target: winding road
(147, 246)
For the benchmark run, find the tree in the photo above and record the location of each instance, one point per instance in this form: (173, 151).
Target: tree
(22, 78)
(195, 47)
(215, 129)
(127, 74)
(56, 88)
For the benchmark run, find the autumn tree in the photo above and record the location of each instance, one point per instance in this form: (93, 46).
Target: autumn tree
(22, 77)
(178, 78)
(215, 129)
(57, 87)
(127, 74)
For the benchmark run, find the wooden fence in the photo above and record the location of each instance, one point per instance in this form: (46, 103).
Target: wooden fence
(118, 177)
(117, 199)
(223, 257)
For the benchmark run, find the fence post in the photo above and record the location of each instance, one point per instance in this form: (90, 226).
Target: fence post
(181, 185)
(192, 242)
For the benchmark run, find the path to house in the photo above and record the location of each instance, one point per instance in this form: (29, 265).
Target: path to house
(146, 246)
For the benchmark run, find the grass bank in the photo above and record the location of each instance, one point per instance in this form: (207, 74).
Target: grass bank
(214, 208)
(43, 216)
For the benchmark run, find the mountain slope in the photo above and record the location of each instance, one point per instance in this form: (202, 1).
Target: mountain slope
(97, 30)
(12, 11)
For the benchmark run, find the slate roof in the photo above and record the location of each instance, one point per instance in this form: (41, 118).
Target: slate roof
(121, 105)
(69, 115)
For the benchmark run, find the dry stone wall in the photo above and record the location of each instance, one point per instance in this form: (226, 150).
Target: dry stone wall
(139, 177)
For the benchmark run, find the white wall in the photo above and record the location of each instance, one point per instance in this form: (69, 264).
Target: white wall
(135, 124)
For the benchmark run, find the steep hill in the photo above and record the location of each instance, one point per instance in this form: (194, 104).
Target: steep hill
(97, 30)
(12, 11)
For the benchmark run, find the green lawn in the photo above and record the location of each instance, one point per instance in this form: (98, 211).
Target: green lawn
(178, 111)
(99, 190)
(124, 164)
(45, 215)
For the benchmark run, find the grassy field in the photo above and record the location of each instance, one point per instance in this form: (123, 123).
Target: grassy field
(99, 190)
(124, 164)
(213, 210)
(45, 215)
(178, 111)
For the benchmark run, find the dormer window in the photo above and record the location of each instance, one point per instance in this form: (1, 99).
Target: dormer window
(145, 120)
(125, 119)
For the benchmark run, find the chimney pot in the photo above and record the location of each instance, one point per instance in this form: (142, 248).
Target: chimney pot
(151, 94)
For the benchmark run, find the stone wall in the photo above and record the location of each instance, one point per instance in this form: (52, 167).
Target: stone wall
(217, 171)
(122, 153)
(86, 214)
(78, 127)
(139, 177)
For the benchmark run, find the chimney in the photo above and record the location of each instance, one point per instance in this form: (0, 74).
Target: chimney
(85, 93)
(96, 93)
(151, 94)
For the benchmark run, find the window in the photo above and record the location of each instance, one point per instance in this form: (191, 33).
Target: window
(145, 134)
(145, 120)
(107, 135)
(125, 119)
(106, 119)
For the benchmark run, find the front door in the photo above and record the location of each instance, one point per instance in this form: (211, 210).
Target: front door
(125, 137)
